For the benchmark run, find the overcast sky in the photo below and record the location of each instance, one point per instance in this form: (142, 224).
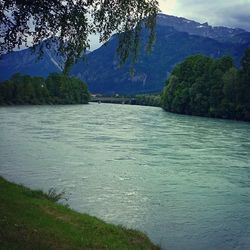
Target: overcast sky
(229, 13)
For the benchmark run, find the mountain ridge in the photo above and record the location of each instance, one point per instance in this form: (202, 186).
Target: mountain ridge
(177, 38)
(219, 33)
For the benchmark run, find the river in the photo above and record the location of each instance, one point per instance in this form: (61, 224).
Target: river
(183, 180)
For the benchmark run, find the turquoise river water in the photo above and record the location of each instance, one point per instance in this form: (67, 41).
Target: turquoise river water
(183, 180)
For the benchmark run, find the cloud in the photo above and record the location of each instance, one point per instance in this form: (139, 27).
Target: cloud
(225, 13)
(167, 6)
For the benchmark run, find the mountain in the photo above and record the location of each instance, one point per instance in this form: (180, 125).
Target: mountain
(219, 33)
(176, 39)
(28, 62)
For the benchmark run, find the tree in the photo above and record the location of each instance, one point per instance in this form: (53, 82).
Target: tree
(56, 89)
(68, 23)
(169, 90)
(230, 87)
(209, 87)
(245, 63)
(243, 93)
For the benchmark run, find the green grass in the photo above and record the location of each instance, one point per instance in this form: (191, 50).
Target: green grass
(30, 220)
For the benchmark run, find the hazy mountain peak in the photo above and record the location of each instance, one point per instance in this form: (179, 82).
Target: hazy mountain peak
(218, 33)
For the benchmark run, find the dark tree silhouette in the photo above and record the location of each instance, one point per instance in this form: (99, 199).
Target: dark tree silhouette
(70, 22)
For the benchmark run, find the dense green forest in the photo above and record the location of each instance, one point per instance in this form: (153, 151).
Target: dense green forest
(56, 89)
(148, 100)
(209, 87)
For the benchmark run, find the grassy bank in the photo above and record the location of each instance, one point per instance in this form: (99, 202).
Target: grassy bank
(30, 220)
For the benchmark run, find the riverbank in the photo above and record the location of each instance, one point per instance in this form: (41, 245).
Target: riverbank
(31, 220)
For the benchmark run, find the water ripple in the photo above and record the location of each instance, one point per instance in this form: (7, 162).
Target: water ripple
(183, 180)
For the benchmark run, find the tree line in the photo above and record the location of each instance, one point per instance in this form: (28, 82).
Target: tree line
(209, 87)
(148, 100)
(56, 89)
